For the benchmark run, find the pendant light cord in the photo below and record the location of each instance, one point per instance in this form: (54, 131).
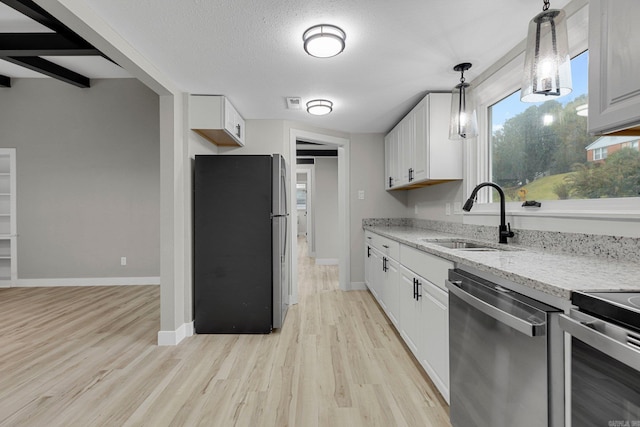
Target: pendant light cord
(546, 5)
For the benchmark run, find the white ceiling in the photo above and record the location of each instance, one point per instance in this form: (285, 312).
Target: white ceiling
(251, 50)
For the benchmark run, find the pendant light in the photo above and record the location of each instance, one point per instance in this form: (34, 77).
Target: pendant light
(547, 64)
(464, 123)
(324, 40)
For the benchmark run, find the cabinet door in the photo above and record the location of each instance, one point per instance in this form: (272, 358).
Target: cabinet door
(614, 65)
(409, 311)
(233, 122)
(390, 159)
(434, 346)
(391, 290)
(420, 146)
(376, 274)
(443, 155)
(406, 149)
(367, 264)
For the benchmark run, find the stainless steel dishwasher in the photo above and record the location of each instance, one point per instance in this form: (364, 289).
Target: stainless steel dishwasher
(505, 356)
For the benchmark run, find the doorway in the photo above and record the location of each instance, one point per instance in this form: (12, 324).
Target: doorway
(342, 147)
(302, 196)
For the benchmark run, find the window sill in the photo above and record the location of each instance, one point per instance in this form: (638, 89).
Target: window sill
(603, 209)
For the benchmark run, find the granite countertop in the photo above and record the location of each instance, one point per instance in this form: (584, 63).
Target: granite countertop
(553, 273)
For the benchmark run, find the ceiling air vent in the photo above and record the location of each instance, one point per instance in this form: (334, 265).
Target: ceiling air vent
(294, 103)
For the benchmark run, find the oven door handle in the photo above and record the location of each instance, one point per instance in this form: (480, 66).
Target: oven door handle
(618, 350)
(520, 325)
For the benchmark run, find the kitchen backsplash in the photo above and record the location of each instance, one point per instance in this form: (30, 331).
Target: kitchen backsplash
(612, 247)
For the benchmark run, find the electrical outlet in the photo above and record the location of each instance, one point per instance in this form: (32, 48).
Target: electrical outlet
(457, 208)
(361, 194)
(123, 260)
(416, 209)
(447, 209)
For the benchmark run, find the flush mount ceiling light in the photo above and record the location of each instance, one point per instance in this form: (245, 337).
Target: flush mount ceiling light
(463, 121)
(324, 40)
(319, 107)
(547, 65)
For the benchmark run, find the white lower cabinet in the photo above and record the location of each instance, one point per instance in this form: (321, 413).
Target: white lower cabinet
(410, 308)
(434, 349)
(416, 303)
(391, 285)
(382, 277)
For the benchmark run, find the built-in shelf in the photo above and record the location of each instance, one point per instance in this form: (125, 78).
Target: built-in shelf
(8, 269)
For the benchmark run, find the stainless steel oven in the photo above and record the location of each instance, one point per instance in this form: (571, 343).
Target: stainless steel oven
(605, 359)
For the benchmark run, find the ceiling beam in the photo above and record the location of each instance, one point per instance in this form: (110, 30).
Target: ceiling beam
(50, 69)
(5, 81)
(30, 9)
(43, 44)
(317, 153)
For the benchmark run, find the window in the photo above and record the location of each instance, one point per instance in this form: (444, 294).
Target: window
(542, 151)
(301, 195)
(600, 153)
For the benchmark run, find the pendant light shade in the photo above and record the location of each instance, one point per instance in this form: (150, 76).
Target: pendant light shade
(547, 65)
(324, 41)
(463, 121)
(319, 107)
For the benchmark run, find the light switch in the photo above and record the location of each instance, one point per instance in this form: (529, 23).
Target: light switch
(447, 209)
(361, 194)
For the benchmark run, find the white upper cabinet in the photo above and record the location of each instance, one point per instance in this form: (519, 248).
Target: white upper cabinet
(424, 154)
(216, 119)
(614, 67)
(392, 159)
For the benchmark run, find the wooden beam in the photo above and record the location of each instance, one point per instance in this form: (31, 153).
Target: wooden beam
(50, 69)
(5, 81)
(43, 44)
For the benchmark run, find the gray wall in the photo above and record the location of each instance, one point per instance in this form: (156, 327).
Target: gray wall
(325, 206)
(88, 177)
(366, 171)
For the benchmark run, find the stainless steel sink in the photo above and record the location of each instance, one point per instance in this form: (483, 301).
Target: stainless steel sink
(468, 245)
(461, 244)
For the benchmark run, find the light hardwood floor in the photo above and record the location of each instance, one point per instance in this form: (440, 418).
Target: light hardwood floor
(88, 357)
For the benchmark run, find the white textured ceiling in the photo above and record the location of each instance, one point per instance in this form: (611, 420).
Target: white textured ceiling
(251, 50)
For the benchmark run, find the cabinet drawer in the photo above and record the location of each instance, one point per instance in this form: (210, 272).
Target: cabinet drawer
(431, 267)
(389, 248)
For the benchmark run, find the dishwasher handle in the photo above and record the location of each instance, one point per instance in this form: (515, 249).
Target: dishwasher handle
(521, 325)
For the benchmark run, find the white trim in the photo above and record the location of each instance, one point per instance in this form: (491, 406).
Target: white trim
(86, 281)
(343, 205)
(358, 286)
(327, 261)
(166, 338)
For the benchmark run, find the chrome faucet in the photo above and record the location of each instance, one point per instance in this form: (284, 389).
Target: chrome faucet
(504, 230)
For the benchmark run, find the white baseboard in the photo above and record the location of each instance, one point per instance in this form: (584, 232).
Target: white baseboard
(86, 281)
(358, 286)
(327, 261)
(174, 337)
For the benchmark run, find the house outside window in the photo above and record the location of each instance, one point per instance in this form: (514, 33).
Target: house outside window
(600, 153)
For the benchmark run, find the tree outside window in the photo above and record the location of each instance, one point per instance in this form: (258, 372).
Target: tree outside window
(543, 151)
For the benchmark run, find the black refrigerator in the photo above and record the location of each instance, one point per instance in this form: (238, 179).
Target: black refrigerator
(241, 267)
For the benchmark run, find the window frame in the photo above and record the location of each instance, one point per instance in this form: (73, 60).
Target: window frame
(503, 79)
